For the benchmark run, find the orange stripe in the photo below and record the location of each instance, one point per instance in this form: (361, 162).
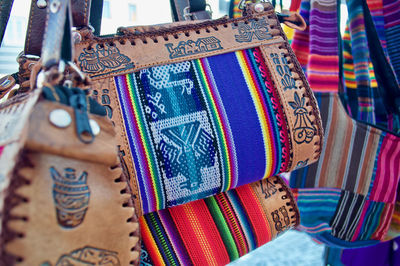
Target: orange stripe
(199, 233)
(149, 242)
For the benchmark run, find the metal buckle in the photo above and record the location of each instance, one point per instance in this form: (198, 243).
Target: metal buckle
(189, 16)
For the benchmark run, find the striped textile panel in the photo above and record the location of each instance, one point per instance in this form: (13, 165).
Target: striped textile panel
(363, 162)
(391, 16)
(350, 86)
(376, 9)
(317, 206)
(186, 132)
(317, 47)
(301, 39)
(360, 52)
(211, 231)
(323, 60)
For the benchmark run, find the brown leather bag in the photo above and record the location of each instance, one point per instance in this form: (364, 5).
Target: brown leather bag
(63, 196)
(143, 73)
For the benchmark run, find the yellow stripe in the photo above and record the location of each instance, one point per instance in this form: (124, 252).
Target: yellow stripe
(260, 111)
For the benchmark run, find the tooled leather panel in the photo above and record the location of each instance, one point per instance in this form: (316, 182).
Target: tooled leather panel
(58, 208)
(99, 57)
(299, 102)
(278, 204)
(105, 93)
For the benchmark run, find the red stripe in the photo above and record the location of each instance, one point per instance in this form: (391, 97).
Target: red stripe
(255, 213)
(199, 233)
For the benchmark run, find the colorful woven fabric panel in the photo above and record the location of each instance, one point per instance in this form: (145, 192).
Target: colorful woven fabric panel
(391, 15)
(185, 124)
(360, 162)
(360, 53)
(218, 229)
(317, 47)
(350, 86)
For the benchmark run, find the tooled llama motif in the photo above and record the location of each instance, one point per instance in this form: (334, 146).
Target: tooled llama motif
(71, 196)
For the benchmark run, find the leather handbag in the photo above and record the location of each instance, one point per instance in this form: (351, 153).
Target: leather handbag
(63, 197)
(195, 112)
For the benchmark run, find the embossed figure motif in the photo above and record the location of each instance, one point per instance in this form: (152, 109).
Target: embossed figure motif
(256, 29)
(279, 215)
(101, 58)
(88, 256)
(304, 130)
(268, 188)
(191, 47)
(190, 143)
(282, 67)
(71, 196)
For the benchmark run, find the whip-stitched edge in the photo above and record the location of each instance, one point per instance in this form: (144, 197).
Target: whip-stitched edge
(166, 33)
(130, 203)
(296, 68)
(12, 200)
(295, 218)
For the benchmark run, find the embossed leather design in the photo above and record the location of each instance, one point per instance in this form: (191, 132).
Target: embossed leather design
(103, 59)
(278, 203)
(71, 203)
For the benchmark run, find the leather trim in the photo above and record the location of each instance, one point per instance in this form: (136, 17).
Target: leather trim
(278, 204)
(105, 93)
(136, 51)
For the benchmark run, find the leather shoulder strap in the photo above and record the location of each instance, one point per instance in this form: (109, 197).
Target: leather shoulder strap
(37, 17)
(5, 9)
(196, 8)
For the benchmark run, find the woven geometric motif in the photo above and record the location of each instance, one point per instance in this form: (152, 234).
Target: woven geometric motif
(189, 132)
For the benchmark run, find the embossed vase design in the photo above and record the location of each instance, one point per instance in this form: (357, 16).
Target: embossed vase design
(71, 197)
(304, 130)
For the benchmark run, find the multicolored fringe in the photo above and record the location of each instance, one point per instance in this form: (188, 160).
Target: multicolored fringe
(184, 123)
(212, 231)
(363, 164)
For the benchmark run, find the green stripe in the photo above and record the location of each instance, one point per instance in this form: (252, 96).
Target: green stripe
(223, 228)
(220, 131)
(148, 153)
(162, 238)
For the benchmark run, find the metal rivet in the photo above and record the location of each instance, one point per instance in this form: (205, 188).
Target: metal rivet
(60, 118)
(94, 126)
(41, 4)
(77, 37)
(55, 6)
(259, 8)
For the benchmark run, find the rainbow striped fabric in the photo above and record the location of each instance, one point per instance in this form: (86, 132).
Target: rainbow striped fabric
(191, 125)
(212, 231)
(347, 199)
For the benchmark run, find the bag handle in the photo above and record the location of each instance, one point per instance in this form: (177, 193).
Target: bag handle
(189, 10)
(81, 17)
